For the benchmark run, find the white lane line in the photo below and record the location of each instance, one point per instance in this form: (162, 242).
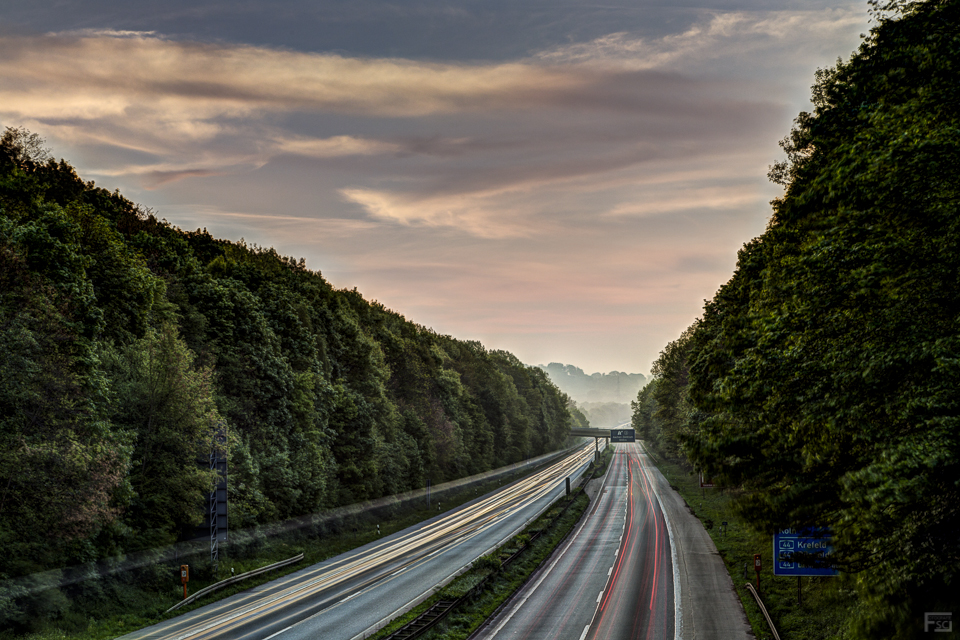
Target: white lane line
(584, 634)
(278, 633)
(616, 552)
(599, 596)
(398, 572)
(350, 596)
(609, 571)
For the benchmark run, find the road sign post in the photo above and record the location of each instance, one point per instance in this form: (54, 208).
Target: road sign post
(756, 567)
(705, 483)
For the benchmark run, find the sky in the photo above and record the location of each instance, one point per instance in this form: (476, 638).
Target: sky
(563, 179)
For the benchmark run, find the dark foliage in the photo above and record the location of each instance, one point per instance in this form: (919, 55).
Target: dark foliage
(127, 342)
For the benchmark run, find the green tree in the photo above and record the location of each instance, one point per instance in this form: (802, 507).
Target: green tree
(61, 458)
(167, 405)
(828, 362)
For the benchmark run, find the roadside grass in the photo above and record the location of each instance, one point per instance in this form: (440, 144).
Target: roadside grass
(116, 608)
(502, 583)
(826, 602)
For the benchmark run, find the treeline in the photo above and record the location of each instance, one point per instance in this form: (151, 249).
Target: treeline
(615, 386)
(605, 415)
(822, 382)
(127, 343)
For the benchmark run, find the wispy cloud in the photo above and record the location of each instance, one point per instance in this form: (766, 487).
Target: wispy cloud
(108, 73)
(335, 146)
(718, 36)
(485, 215)
(185, 110)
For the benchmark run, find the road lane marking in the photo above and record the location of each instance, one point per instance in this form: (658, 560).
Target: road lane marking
(278, 633)
(585, 630)
(599, 596)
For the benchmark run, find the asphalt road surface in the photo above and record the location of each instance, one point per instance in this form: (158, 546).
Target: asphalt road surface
(359, 591)
(613, 578)
(639, 565)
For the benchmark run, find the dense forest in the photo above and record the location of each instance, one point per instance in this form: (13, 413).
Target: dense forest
(128, 343)
(822, 382)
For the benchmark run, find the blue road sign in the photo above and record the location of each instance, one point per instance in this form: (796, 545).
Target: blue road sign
(816, 541)
(622, 435)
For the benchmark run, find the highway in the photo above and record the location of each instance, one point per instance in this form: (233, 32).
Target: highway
(613, 578)
(351, 595)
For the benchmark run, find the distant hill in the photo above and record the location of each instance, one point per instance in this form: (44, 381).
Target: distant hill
(606, 415)
(597, 387)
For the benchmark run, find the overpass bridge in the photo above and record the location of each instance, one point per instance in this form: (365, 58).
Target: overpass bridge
(619, 434)
(590, 433)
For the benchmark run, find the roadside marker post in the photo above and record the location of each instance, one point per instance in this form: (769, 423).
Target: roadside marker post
(756, 567)
(184, 578)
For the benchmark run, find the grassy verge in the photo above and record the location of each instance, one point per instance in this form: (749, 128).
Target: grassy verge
(556, 523)
(108, 610)
(826, 602)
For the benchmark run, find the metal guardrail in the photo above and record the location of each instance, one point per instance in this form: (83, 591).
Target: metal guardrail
(763, 609)
(235, 579)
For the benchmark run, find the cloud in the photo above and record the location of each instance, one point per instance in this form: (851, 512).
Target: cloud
(105, 74)
(481, 214)
(162, 111)
(335, 146)
(694, 197)
(779, 35)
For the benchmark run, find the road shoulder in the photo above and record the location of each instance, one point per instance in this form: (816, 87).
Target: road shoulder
(709, 604)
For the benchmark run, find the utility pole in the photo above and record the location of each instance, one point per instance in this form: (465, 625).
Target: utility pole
(218, 497)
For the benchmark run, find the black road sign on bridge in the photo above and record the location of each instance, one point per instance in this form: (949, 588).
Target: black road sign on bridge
(622, 435)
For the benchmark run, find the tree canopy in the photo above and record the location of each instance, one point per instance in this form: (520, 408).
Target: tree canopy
(129, 342)
(827, 368)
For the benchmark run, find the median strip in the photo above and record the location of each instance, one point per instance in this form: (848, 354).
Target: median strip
(483, 590)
